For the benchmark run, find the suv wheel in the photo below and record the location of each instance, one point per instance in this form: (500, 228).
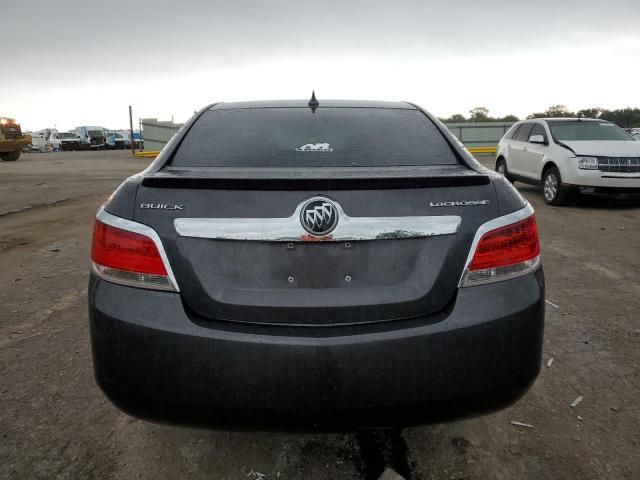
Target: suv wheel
(501, 167)
(552, 190)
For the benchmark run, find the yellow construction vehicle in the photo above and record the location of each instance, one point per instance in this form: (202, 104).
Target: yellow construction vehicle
(12, 141)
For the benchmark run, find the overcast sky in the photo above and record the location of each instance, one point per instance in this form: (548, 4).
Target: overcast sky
(71, 63)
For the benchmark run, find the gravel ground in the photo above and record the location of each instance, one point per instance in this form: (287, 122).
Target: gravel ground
(55, 423)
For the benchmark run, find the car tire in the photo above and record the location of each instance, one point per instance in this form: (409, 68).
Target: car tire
(10, 156)
(552, 191)
(501, 167)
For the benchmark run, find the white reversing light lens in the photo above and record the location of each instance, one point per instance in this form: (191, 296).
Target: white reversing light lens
(587, 163)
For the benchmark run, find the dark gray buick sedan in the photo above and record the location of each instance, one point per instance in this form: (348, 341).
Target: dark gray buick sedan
(303, 265)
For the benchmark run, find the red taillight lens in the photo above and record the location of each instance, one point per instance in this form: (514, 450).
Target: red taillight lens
(515, 243)
(504, 253)
(119, 249)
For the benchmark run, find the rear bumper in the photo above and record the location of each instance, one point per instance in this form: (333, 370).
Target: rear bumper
(155, 361)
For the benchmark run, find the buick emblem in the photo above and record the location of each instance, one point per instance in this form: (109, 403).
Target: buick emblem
(319, 216)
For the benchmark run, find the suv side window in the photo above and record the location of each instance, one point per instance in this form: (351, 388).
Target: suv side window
(523, 132)
(512, 132)
(538, 130)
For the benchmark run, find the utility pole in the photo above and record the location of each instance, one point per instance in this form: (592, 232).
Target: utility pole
(133, 144)
(140, 144)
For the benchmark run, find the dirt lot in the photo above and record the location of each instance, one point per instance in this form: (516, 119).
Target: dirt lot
(54, 421)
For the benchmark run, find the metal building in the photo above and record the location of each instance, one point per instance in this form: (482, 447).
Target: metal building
(157, 133)
(480, 134)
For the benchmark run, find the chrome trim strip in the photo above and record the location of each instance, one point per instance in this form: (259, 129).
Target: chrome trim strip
(135, 227)
(503, 221)
(289, 229)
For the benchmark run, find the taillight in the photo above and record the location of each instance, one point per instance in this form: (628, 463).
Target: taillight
(504, 252)
(129, 256)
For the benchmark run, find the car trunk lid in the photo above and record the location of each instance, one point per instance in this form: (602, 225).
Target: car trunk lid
(408, 266)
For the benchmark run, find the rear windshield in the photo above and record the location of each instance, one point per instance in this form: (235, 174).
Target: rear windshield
(298, 137)
(576, 131)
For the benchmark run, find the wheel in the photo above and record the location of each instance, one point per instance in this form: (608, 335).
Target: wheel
(552, 190)
(501, 167)
(10, 156)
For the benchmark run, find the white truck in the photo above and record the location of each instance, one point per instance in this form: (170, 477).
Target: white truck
(92, 138)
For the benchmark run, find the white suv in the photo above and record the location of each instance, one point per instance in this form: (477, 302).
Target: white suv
(567, 155)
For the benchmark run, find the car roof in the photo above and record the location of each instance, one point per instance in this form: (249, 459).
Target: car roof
(305, 104)
(564, 119)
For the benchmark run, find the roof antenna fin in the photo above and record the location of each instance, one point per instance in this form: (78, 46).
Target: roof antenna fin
(313, 103)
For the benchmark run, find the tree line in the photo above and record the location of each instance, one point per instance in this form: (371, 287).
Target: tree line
(478, 114)
(625, 117)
